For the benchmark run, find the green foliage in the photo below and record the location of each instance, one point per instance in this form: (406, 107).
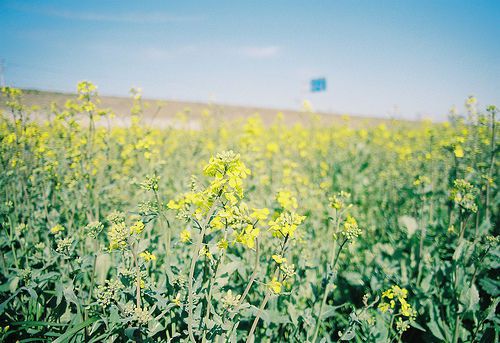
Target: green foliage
(308, 233)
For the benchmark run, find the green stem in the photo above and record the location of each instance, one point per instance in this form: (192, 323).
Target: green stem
(333, 263)
(162, 225)
(268, 294)
(492, 163)
(455, 285)
(421, 244)
(209, 295)
(245, 292)
(194, 259)
(257, 317)
(138, 276)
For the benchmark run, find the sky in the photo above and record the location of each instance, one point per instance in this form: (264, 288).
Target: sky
(406, 59)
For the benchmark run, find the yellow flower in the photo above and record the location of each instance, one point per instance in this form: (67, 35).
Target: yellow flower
(275, 286)
(260, 214)
(459, 151)
(406, 309)
(185, 236)
(279, 259)
(351, 229)
(217, 223)
(247, 236)
(397, 294)
(56, 229)
(117, 235)
(388, 294)
(272, 148)
(147, 256)
(400, 293)
(173, 205)
(137, 228)
(177, 299)
(384, 307)
(222, 244)
(285, 224)
(286, 200)
(206, 252)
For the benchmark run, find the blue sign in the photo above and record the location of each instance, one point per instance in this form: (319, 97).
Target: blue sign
(318, 85)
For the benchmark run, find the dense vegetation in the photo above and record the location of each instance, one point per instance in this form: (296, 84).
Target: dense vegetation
(246, 231)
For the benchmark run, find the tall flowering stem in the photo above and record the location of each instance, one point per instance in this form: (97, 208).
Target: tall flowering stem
(348, 231)
(194, 259)
(463, 195)
(226, 187)
(283, 227)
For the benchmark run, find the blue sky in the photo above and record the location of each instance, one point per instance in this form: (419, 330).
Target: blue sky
(398, 58)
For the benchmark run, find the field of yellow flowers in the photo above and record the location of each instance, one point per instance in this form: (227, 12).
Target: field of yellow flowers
(246, 232)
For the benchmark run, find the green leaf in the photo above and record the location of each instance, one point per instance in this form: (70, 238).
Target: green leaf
(426, 282)
(13, 284)
(329, 311)
(292, 313)
(348, 335)
(491, 310)
(438, 327)
(69, 295)
(353, 278)
(490, 286)
(458, 251)
(469, 297)
(417, 325)
(229, 268)
(432, 325)
(271, 316)
(31, 292)
(36, 323)
(130, 332)
(410, 223)
(74, 330)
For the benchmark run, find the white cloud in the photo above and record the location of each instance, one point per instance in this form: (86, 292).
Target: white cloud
(260, 52)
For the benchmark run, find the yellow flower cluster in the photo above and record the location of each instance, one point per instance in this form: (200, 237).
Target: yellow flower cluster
(118, 235)
(350, 229)
(247, 236)
(279, 259)
(185, 236)
(338, 201)
(260, 213)
(56, 229)
(393, 296)
(464, 195)
(228, 172)
(205, 251)
(286, 200)
(286, 224)
(147, 256)
(137, 228)
(275, 286)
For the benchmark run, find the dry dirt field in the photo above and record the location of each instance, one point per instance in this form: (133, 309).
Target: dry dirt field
(162, 113)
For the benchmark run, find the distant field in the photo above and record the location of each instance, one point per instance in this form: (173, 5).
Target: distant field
(164, 112)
